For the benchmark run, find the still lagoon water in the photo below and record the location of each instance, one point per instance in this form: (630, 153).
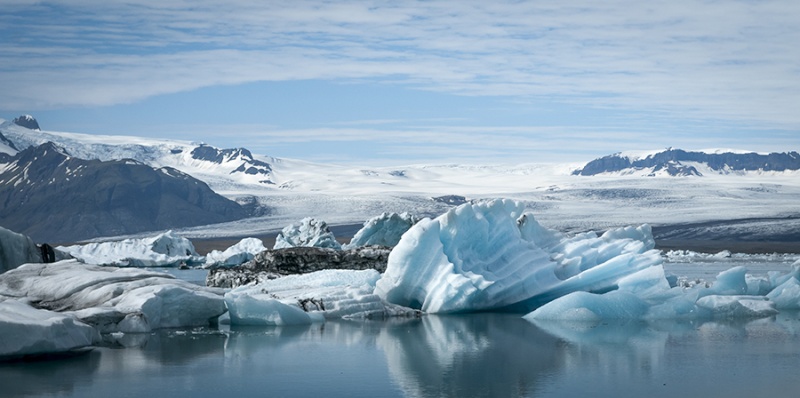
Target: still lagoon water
(476, 355)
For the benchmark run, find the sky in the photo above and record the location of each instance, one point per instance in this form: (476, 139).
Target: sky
(401, 82)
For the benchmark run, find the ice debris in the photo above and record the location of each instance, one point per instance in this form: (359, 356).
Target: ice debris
(113, 299)
(309, 298)
(237, 254)
(163, 250)
(493, 255)
(309, 233)
(383, 230)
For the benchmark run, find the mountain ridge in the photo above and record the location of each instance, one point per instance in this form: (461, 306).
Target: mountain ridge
(51, 196)
(678, 162)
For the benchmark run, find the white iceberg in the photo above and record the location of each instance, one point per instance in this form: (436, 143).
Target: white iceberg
(383, 230)
(237, 254)
(309, 298)
(309, 233)
(16, 249)
(163, 250)
(29, 331)
(493, 255)
(114, 299)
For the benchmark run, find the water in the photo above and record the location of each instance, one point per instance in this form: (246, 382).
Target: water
(451, 356)
(476, 355)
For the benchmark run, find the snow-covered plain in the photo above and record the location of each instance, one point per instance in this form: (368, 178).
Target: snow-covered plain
(349, 194)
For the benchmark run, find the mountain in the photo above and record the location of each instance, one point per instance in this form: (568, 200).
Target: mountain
(210, 164)
(27, 121)
(51, 196)
(677, 162)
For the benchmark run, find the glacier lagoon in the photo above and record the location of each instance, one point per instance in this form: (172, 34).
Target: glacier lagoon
(486, 354)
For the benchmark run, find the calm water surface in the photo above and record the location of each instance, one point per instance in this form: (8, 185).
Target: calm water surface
(499, 355)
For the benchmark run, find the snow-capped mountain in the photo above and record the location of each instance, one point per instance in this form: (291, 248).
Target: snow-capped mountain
(52, 196)
(208, 163)
(677, 162)
(27, 121)
(563, 198)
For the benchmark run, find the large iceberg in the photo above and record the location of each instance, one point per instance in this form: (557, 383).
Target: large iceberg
(383, 230)
(239, 253)
(113, 299)
(16, 249)
(163, 250)
(308, 298)
(309, 233)
(493, 255)
(29, 331)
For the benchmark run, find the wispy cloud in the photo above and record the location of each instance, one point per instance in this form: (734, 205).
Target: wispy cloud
(733, 60)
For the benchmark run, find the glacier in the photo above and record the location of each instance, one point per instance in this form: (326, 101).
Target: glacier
(310, 232)
(310, 298)
(383, 230)
(163, 250)
(242, 252)
(492, 255)
(113, 299)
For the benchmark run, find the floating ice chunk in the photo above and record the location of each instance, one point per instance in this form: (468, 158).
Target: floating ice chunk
(114, 299)
(239, 253)
(164, 250)
(307, 298)
(309, 233)
(491, 255)
(16, 249)
(648, 295)
(383, 230)
(786, 295)
(29, 331)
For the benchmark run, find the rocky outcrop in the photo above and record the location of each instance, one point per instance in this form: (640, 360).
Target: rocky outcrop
(27, 121)
(271, 264)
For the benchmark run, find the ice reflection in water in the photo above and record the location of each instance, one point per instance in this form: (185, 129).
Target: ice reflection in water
(442, 356)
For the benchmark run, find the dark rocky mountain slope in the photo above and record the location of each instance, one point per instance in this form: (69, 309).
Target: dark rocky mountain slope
(672, 162)
(49, 195)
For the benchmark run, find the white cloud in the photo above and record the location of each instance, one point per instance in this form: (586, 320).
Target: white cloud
(733, 60)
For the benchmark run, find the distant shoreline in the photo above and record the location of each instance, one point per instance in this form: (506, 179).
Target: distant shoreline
(344, 233)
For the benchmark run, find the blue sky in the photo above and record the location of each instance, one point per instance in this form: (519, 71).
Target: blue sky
(373, 82)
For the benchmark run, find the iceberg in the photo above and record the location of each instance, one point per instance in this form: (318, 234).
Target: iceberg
(310, 298)
(647, 295)
(114, 299)
(309, 233)
(16, 249)
(163, 250)
(29, 331)
(237, 254)
(492, 255)
(383, 230)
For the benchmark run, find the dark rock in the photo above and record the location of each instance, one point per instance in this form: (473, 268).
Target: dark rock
(270, 264)
(27, 121)
(453, 200)
(248, 166)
